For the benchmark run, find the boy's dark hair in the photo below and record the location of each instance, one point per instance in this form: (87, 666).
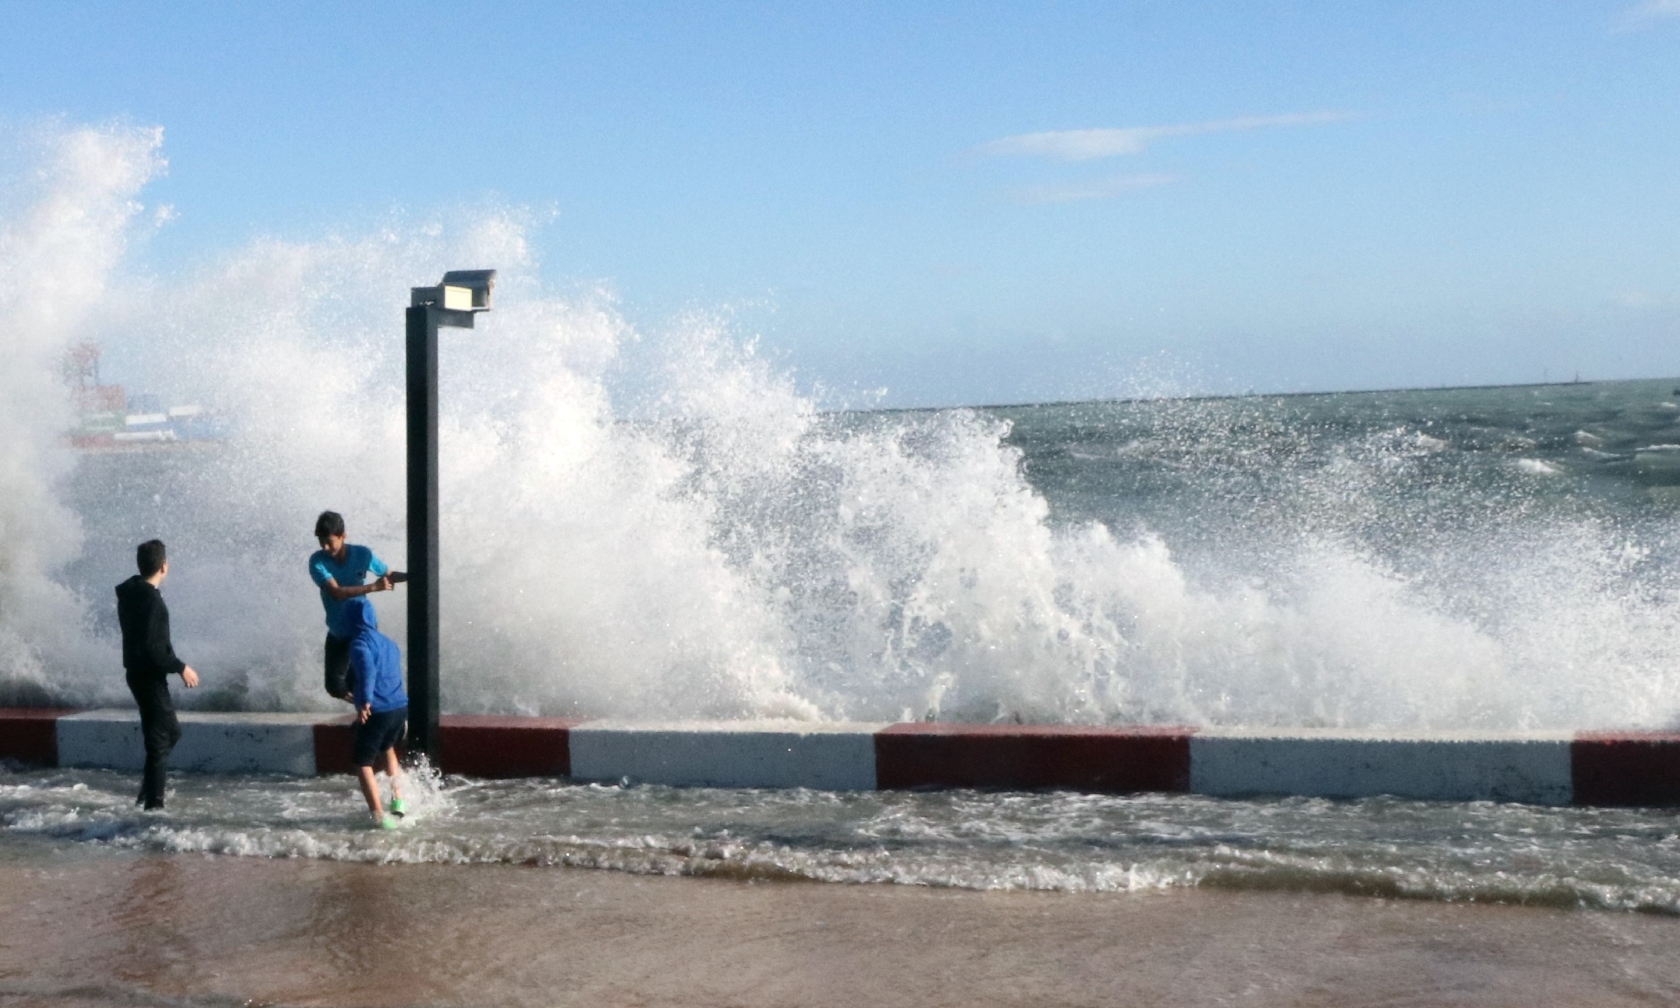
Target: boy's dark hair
(149, 557)
(330, 523)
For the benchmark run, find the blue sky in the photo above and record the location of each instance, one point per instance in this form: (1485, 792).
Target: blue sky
(961, 203)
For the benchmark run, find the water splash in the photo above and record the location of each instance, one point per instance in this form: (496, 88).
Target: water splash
(56, 252)
(1607, 859)
(681, 532)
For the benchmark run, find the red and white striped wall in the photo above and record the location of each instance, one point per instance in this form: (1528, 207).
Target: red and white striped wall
(1544, 768)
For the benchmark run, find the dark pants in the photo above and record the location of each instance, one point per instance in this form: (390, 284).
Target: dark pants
(338, 667)
(381, 731)
(160, 729)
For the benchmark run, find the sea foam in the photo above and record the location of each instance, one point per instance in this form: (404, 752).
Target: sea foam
(664, 525)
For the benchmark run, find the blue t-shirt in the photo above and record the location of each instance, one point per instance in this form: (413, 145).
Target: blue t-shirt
(359, 562)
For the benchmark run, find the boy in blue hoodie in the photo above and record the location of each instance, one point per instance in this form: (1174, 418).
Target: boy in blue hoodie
(338, 568)
(376, 688)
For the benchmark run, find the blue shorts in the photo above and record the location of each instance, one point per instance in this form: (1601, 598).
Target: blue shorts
(381, 731)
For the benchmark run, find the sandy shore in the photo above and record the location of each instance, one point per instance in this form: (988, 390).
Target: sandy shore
(155, 930)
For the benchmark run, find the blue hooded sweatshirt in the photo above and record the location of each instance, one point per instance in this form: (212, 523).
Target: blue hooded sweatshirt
(375, 664)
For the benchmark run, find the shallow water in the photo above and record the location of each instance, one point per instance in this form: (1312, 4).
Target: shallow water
(1604, 859)
(126, 928)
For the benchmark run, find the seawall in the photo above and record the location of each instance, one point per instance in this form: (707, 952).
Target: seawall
(1543, 768)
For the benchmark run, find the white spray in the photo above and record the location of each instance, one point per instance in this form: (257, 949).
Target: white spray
(56, 253)
(724, 549)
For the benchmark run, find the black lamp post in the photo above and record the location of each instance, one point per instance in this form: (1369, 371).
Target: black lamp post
(453, 302)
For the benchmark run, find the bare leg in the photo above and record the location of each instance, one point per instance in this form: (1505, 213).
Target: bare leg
(370, 791)
(393, 770)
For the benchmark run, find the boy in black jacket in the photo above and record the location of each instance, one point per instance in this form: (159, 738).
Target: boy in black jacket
(150, 660)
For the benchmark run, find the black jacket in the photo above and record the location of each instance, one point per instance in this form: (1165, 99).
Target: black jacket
(145, 630)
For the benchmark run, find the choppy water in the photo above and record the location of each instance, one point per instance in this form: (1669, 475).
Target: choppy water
(655, 525)
(1613, 859)
(1452, 558)
(665, 525)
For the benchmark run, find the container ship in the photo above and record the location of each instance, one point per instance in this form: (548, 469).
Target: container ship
(109, 418)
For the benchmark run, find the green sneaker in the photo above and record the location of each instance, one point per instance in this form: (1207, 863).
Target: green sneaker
(388, 823)
(399, 808)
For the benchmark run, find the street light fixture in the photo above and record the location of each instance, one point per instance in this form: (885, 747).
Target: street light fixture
(459, 296)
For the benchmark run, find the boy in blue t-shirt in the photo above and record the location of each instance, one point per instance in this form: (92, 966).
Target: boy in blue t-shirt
(339, 569)
(376, 688)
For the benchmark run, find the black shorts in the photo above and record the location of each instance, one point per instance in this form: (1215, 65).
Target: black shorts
(381, 731)
(338, 667)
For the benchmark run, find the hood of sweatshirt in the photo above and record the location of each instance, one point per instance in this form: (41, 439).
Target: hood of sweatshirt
(135, 586)
(359, 616)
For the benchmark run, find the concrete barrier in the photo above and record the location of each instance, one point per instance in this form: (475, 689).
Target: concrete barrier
(1626, 768)
(30, 734)
(477, 745)
(468, 744)
(828, 756)
(210, 742)
(334, 742)
(1531, 768)
(1071, 757)
(1589, 768)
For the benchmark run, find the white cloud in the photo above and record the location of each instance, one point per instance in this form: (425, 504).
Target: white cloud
(1073, 192)
(1638, 298)
(1089, 144)
(1642, 14)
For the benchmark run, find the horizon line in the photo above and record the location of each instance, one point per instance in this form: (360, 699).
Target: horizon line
(1217, 396)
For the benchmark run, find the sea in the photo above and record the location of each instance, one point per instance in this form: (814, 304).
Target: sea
(1478, 558)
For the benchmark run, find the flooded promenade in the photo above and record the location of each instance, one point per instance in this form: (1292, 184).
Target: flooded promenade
(99, 928)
